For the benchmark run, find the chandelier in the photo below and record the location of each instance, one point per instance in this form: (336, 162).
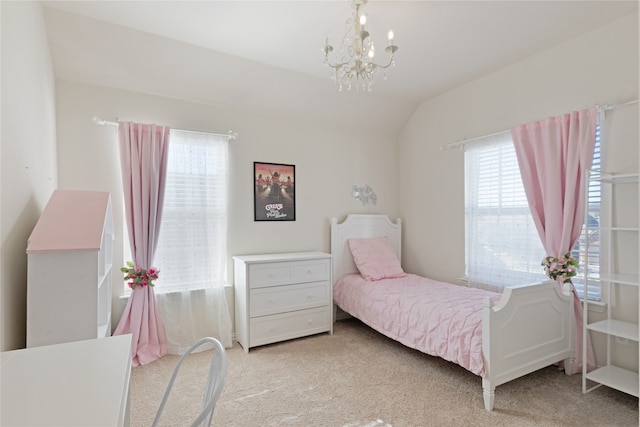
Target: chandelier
(355, 66)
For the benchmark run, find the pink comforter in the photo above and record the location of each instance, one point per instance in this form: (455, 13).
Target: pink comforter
(437, 318)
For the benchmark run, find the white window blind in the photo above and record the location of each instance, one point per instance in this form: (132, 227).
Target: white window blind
(191, 252)
(502, 243)
(592, 267)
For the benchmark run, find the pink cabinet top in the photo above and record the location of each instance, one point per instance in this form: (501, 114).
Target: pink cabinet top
(72, 221)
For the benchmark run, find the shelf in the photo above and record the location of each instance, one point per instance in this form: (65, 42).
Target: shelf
(81, 241)
(618, 235)
(618, 378)
(101, 279)
(104, 330)
(617, 328)
(630, 178)
(623, 279)
(632, 229)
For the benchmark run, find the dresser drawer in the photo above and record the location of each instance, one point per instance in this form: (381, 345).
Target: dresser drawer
(278, 299)
(284, 273)
(278, 327)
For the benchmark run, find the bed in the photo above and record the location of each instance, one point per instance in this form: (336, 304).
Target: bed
(499, 337)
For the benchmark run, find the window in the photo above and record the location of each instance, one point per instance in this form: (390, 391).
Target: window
(191, 250)
(594, 199)
(502, 243)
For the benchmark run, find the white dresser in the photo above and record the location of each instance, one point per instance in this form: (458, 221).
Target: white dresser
(282, 296)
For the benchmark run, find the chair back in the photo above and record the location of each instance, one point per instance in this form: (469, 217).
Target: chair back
(215, 382)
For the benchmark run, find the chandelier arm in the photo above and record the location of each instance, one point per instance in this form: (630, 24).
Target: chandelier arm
(384, 67)
(337, 66)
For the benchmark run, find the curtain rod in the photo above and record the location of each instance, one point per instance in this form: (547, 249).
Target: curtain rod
(230, 135)
(607, 107)
(601, 108)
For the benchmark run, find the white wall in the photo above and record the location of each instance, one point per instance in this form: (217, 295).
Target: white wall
(28, 161)
(328, 161)
(420, 183)
(599, 67)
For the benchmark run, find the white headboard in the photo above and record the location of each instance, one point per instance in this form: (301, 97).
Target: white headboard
(357, 226)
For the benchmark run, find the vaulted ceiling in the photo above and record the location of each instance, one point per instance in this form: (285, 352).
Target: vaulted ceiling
(266, 55)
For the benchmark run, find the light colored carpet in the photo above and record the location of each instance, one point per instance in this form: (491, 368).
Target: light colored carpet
(357, 377)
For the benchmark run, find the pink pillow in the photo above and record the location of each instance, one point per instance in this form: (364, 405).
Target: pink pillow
(376, 258)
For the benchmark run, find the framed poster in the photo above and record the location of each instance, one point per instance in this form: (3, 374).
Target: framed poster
(274, 192)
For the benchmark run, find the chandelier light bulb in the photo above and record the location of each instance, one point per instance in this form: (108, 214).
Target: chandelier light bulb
(352, 62)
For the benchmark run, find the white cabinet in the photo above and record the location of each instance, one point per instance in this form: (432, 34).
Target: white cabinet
(282, 296)
(617, 237)
(69, 269)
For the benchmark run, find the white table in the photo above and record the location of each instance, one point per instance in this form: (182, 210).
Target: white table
(82, 383)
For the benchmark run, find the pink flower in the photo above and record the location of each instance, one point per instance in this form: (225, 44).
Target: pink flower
(137, 276)
(563, 267)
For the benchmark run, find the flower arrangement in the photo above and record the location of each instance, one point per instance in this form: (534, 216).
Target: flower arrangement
(562, 267)
(139, 276)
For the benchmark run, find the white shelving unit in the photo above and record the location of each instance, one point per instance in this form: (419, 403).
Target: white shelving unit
(69, 269)
(612, 278)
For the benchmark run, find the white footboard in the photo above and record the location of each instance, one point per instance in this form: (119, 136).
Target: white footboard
(531, 327)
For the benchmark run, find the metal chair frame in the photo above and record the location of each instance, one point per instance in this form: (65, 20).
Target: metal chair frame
(215, 382)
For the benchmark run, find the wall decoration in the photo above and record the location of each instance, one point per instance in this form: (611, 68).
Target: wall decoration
(365, 194)
(274, 192)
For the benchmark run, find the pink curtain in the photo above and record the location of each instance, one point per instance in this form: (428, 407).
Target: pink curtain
(554, 156)
(144, 150)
